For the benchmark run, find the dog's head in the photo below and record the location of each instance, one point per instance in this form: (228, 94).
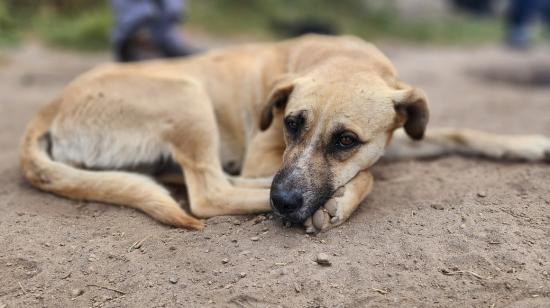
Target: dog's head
(335, 127)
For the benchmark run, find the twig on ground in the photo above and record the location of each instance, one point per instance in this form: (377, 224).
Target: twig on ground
(106, 288)
(20, 285)
(459, 272)
(381, 291)
(137, 244)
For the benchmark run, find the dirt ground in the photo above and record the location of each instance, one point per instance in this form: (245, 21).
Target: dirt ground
(450, 232)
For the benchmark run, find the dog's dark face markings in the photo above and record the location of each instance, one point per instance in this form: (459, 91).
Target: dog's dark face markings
(331, 134)
(304, 182)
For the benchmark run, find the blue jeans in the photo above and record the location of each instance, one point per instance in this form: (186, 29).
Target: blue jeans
(523, 12)
(521, 15)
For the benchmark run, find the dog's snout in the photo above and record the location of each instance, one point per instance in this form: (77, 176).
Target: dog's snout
(286, 201)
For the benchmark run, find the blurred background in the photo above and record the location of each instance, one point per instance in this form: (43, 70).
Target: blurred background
(491, 56)
(88, 24)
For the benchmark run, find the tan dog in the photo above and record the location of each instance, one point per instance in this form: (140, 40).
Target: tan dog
(315, 111)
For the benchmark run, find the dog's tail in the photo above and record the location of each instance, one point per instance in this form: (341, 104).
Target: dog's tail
(116, 187)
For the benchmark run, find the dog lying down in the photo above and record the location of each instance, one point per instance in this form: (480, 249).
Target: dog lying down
(302, 121)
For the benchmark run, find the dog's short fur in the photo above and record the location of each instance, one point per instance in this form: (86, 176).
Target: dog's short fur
(316, 112)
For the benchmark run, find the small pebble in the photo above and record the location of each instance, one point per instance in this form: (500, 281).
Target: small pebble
(323, 259)
(76, 292)
(254, 238)
(242, 274)
(482, 194)
(173, 280)
(437, 207)
(237, 222)
(297, 287)
(225, 260)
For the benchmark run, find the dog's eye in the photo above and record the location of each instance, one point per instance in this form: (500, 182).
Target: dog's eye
(292, 124)
(347, 140)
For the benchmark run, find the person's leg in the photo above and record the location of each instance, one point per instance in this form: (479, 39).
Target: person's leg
(545, 10)
(520, 16)
(130, 16)
(166, 32)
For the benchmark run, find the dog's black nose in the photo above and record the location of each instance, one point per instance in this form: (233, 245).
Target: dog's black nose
(286, 201)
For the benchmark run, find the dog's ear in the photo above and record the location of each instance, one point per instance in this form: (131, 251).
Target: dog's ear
(411, 105)
(277, 98)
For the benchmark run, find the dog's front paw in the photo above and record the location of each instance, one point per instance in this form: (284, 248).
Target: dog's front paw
(342, 204)
(332, 214)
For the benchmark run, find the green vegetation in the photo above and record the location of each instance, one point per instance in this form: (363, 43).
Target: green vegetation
(79, 24)
(85, 24)
(348, 16)
(84, 30)
(8, 29)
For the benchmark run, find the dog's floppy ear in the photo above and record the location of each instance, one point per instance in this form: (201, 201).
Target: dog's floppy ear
(277, 98)
(411, 105)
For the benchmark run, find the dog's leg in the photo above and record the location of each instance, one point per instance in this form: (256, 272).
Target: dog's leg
(344, 202)
(264, 155)
(263, 159)
(260, 182)
(196, 150)
(210, 192)
(238, 181)
(468, 142)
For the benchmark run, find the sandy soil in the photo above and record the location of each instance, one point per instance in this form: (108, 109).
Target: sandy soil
(441, 233)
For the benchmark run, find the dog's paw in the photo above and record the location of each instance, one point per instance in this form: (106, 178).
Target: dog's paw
(331, 215)
(342, 204)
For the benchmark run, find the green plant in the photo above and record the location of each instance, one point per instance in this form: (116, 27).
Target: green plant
(87, 30)
(8, 27)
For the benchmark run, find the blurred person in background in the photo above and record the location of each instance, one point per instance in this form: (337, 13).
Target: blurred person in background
(154, 22)
(521, 15)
